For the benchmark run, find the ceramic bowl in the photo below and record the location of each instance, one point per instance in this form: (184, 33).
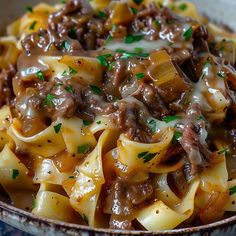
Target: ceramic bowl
(221, 11)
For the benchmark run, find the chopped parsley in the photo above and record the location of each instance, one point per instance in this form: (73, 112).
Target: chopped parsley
(84, 149)
(138, 50)
(126, 55)
(183, 6)
(33, 202)
(84, 218)
(201, 117)
(137, 2)
(188, 34)
(157, 23)
(57, 128)
(63, 1)
(29, 9)
(87, 122)
(72, 177)
(203, 75)
(140, 76)
(146, 156)
(99, 122)
(224, 151)
(72, 33)
(15, 173)
(232, 190)
(103, 59)
(71, 71)
(101, 14)
(168, 119)
(177, 136)
(221, 74)
(33, 24)
(133, 38)
(111, 65)
(65, 45)
(152, 124)
(49, 100)
(69, 89)
(40, 75)
(95, 89)
(134, 10)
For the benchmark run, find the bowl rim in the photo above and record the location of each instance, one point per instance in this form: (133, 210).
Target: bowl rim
(12, 212)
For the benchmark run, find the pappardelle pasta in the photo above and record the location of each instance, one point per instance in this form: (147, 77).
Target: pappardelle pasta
(119, 114)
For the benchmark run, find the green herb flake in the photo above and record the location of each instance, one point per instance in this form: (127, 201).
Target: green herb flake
(71, 177)
(101, 14)
(72, 71)
(188, 34)
(157, 23)
(127, 55)
(49, 100)
(111, 65)
(33, 202)
(146, 156)
(73, 33)
(57, 128)
(69, 89)
(134, 10)
(168, 119)
(99, 122)
(84, 149)
(139, 76)
(87, 122)
(183, 6)
(133, 38)
(84, 218)
(65, 45)
(152, 124)
(221, 74)
(203, 75)
(63, 1)
(137, 2)
(177, 136)
(95, 89)
(15, 173)
(40, 75)
(201, 117)
(29, 9)
(138, 50)
(33, 24)
(224, 151)
(103, 59)
(232, 190)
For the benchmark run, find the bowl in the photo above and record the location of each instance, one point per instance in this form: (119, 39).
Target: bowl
(224, 13)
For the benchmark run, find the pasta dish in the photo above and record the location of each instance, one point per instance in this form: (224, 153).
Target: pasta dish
(119, 114)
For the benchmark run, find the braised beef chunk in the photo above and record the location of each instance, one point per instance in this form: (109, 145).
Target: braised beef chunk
(6, 90)
(193, 141)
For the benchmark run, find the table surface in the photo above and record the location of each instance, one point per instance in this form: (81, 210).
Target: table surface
(6, 230)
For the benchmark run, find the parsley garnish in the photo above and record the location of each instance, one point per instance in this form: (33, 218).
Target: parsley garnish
(87, 122)
(95, 89)
(127, 55)
(133, 38)
(63, 1)
(101, 14)
(71, 177)
(152, 124)
(32, 26)
(224, 151)
(84, 149)
(29, 9)
(49, 100)
(201, 117)
(71, 71)
(99, 122)
(134, 10)
(139, 76)
(69, 89)
(232, 190)
(221, 74)
(177, 136)
(168, 119)
(146, 156)
(138, 2)
(188, 33)
(15, 173)
(33, 202)
(72, 33)
(57, 128)
(183, 6)
(65, 45)
(103, 59)
(84, 218)
(138, 50)
(40, 75)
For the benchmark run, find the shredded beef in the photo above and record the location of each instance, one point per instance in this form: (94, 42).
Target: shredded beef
(6, 90)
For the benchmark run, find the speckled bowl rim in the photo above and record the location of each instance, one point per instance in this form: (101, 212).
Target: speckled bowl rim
(12, 212)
